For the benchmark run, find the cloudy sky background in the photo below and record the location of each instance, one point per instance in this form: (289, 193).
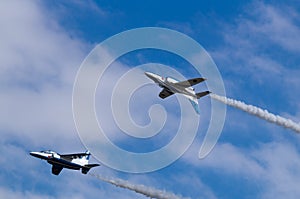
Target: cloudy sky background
(255, 45)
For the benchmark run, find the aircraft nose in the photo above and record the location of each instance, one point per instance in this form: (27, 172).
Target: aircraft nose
(34, 154)
(151, 76)
(148, 74)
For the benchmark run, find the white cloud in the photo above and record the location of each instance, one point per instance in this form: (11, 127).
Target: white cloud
(190, 182)
(38, 65)
(259, 58)
(274, 167)
(258, 41)
(281, 162)
(279, 24)
(10, 194)
(34, 49)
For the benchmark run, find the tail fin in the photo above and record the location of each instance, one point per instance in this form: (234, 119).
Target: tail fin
(195, 105)
(202, 94)
(88, 154)
(85, 169)
(194, 101)
(83, 159)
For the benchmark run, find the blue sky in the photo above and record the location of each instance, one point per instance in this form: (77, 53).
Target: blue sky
(255, 45)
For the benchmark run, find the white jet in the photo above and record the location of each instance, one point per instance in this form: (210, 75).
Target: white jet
(74, 161)
(171, 86)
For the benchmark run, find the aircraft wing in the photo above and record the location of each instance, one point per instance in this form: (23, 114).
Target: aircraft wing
(165, 93)
(190, 82)
(56, 169)
(72, 156)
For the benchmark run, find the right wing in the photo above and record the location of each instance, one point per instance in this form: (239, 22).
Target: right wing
(165, 93)
(56, 169)
(190, 82)
(70, 157)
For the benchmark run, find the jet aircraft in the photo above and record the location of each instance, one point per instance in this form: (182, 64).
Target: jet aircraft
(171, 86)
(74, 161)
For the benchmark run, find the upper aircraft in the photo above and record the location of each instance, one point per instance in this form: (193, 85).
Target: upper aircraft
(74, 161)
(171, 86)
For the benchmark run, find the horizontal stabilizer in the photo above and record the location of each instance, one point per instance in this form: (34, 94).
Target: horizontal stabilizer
(202, 94)
(91, 165)
(85, 169)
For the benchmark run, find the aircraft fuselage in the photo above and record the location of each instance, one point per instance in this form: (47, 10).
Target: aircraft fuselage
(54, 158)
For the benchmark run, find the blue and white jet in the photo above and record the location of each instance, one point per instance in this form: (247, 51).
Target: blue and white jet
(74, 161)
(171, 86)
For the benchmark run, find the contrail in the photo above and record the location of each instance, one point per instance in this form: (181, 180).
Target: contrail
(142, 189)
(264, 114)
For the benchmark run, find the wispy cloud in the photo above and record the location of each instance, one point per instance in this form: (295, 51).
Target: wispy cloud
(273, 167)
(258, 41)
(277, 23)
(7, 193)
(258, 56)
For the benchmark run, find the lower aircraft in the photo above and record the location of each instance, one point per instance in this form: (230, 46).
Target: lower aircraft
(74, 161)
(171, 86)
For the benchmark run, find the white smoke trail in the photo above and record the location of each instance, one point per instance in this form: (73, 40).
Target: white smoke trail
(264, 114)
(142, 189)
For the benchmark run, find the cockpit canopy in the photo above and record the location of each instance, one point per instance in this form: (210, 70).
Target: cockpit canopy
(48, 151)
(171, 80)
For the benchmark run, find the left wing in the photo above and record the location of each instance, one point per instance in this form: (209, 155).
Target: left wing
(165, 93)
(190, 82)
